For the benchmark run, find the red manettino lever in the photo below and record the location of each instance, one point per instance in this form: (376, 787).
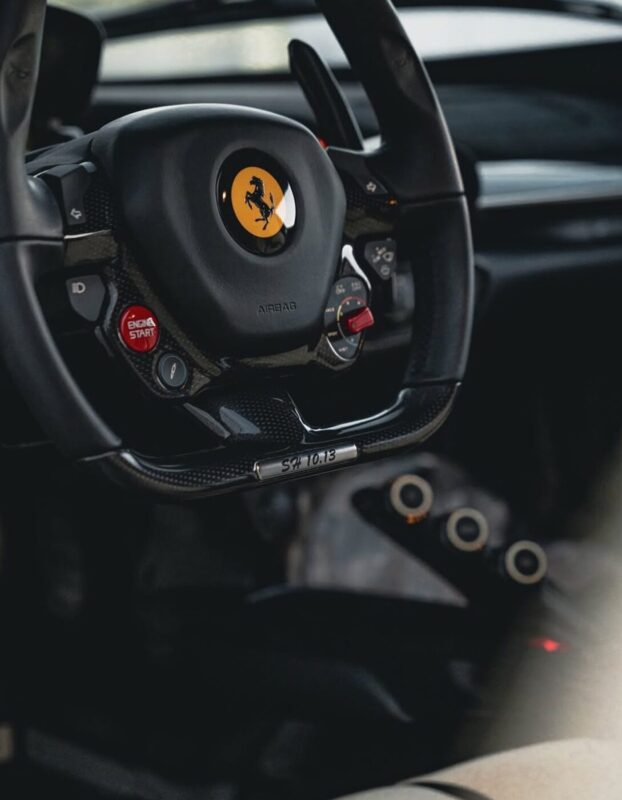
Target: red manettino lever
(358, 321)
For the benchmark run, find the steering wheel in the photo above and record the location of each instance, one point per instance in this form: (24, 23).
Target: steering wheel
(207, 242)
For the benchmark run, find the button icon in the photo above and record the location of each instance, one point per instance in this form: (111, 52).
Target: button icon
(139, 329)
(172, 371)
(70, 183)
(382, 257)
(371, 185)
(86, 296)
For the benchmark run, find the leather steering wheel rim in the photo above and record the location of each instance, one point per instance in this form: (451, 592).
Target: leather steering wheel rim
(415, 162)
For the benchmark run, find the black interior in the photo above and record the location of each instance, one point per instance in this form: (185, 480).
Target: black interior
(164, 649)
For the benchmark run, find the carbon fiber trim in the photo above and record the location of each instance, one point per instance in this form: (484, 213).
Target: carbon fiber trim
(419, 414)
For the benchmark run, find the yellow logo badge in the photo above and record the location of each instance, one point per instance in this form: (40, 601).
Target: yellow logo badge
(258, 202)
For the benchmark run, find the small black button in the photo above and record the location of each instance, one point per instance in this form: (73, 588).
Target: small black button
(468, 529)
(69, 184)
(382, 257)
(411, 496)
(86, 295)
(172, 371)
(527, 563)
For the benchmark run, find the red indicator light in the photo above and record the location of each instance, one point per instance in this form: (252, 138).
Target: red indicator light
(139, 329)
(547, 644)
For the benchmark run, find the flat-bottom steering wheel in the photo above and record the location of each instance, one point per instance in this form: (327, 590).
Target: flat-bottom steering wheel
(205, 242)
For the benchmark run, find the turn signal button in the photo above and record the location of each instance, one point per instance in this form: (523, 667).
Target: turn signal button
(139, 329)
(358, 321)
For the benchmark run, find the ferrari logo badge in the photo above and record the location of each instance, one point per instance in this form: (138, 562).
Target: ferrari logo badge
(258, 202)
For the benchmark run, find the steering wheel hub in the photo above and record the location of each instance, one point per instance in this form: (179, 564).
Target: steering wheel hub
(243, 240)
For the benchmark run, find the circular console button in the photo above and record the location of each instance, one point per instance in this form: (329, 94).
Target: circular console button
(172, 371)
(467, 529)
(411, 497)
(139, 329)
(526, 563)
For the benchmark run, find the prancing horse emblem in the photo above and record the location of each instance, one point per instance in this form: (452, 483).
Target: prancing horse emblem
(260, 204)
(257, 198)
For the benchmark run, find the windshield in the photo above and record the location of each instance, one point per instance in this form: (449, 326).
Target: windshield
(259, 46)
(105, 7)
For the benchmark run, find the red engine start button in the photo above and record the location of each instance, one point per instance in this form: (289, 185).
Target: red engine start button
(139, 329)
